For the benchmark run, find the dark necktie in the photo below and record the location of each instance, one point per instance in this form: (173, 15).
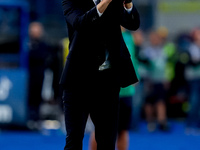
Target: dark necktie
(106, 64)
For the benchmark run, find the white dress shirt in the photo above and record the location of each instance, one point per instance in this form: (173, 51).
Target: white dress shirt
(100, 14)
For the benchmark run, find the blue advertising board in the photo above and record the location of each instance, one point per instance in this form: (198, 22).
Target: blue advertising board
(13, 96)
(14, 21)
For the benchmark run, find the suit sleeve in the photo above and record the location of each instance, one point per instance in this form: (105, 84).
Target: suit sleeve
(78, 19)
(130, 21)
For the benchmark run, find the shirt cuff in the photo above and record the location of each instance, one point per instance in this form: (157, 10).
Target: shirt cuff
(128, 10)
(100, 14)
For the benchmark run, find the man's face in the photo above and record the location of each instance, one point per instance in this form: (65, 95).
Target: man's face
(36, 31)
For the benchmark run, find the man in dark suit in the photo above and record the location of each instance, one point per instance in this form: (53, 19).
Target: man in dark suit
(97, 66)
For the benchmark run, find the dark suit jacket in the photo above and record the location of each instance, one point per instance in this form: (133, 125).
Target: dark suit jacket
(89, 34)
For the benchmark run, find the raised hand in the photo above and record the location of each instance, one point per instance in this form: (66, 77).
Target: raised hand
(102, 6)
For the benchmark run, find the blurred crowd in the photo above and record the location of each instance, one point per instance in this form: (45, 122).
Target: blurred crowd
(169, 74)
(168, 70)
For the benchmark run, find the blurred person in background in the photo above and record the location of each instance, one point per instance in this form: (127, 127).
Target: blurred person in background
(178, 92)
(155, 88)
(38, 57)
(125, 104)
(193, 78)
(170, 52)
(141, 67)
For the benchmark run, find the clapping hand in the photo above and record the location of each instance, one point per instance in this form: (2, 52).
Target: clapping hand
(128, 4)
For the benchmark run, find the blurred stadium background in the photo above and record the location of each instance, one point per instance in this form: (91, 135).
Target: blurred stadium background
(33, 47)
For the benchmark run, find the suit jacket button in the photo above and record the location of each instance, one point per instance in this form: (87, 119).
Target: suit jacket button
(93, 19)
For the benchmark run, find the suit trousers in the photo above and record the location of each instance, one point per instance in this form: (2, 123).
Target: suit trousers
(99, 98)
